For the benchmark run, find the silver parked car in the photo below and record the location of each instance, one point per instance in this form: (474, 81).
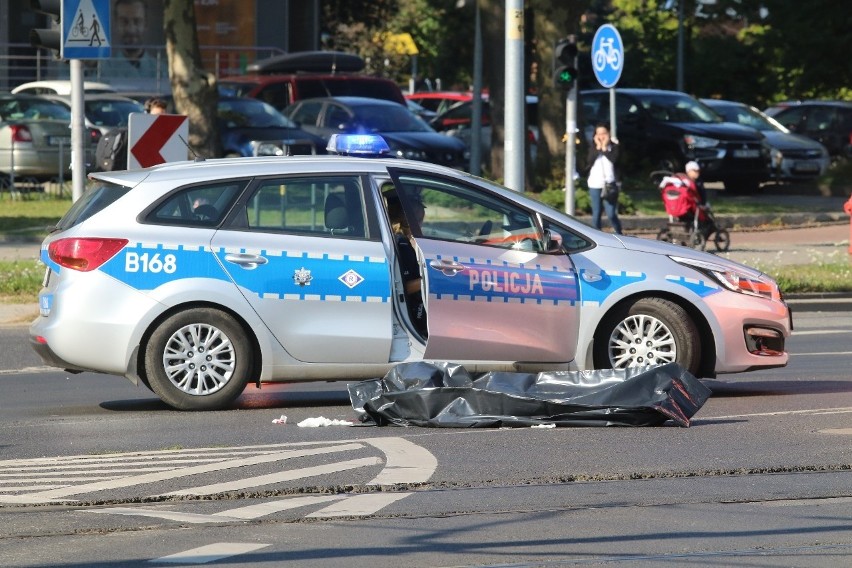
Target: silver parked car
(792, 156)
(197, 279)
(35, 138)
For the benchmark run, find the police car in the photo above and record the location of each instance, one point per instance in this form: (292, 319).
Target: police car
(200, 278)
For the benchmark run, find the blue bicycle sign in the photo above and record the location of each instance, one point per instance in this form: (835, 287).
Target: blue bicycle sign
(607, 55)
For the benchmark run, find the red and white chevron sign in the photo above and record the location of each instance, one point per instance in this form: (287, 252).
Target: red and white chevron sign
(156, 138)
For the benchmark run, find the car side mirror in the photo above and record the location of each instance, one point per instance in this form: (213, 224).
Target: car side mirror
(552, 242)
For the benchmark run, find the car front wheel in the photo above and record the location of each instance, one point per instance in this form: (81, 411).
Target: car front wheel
(648, 331)
(198, 359)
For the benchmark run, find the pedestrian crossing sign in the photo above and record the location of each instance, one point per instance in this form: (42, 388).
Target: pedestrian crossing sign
(86, 29)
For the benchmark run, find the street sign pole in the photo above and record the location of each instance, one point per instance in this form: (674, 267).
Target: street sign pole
(85, 35)
(78, 129)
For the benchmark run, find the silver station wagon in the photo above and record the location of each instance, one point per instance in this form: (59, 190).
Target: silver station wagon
(200, 278)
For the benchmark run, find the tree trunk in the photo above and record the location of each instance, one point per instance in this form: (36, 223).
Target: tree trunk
(194, 90)
(494, 68)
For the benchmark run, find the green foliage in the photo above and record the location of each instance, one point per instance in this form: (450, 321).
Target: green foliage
(20, 280)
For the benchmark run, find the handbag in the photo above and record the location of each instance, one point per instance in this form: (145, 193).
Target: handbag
(610, 191)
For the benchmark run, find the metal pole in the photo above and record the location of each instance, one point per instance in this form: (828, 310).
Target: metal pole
(680, 10)
(476, 109)
(570, 147)
(513, 112)
(78, 129)
(612, 126)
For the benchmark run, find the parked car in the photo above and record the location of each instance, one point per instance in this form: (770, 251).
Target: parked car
(407, 134)
(249, 127)
(291, 273)
(35, 138)
(59, 87)
(104, 111)
(827, 122)
(439, 101)
(456, 121)
(286, 79)
(666, 129)
(792, 156)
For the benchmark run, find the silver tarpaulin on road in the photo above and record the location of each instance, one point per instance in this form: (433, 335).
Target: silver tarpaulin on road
(446, 395)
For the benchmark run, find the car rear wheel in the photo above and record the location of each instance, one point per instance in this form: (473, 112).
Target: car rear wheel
(198, 359)
(648, 331)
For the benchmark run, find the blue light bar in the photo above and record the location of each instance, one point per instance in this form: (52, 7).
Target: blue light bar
(362, 145)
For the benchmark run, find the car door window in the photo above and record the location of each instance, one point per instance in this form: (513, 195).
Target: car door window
(316, 205)
(456, 212)
(198, 206)
(307, 113)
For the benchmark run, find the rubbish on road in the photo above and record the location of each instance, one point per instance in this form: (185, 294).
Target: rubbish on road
(282, 420)
(322, 421)
(444, 394)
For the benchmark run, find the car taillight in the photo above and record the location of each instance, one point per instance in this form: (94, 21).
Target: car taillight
(84, 254)
(94, 136)
(20, 133)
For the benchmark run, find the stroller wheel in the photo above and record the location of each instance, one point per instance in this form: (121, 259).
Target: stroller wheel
(722, 240)
(697, 240)
(664, 235)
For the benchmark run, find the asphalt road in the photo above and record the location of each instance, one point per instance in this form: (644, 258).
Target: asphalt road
(95, 472)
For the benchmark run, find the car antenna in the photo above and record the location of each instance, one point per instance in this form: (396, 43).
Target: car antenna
(196, 157)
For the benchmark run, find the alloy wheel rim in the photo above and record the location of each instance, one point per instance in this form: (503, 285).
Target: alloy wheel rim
(199, 359)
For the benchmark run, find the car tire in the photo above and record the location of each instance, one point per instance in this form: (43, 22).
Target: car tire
(647, 331)
(198, 359)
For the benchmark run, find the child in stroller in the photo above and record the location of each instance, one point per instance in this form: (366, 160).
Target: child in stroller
(691, 222)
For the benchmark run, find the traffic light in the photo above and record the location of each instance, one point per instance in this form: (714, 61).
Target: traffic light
(48, 38)
(565, 63)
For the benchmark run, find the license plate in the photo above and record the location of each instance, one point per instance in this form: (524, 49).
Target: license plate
(746, 153)
(57, 140)
(806, 167)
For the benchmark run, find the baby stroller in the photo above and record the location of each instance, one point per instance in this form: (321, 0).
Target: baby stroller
(690, 224)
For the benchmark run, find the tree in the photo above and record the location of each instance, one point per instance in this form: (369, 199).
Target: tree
(194, 89)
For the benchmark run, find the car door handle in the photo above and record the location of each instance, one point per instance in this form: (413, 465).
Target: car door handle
(247, 261)
(448, 267)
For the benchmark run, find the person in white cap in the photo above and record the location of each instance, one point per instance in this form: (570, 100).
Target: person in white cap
(693, 171)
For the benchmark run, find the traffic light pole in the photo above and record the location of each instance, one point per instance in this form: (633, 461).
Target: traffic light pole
(78, 131)
(570, 147)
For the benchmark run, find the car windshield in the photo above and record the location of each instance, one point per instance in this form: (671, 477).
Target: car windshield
(236, 88)
(253, 113)
(389, 118)
(112, 113)
(749, 117)
(677, 108)
(33, 109)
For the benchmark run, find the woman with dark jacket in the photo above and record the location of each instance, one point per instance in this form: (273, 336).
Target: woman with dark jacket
(601, 161)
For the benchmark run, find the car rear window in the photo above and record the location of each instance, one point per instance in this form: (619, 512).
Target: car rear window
(93, 201)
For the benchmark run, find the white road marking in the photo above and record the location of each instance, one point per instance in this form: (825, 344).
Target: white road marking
(62, 494)
(823, 354)
(359, 505)
(267, 508)
(210, 553)
(406, 462)
(822, 331)
(813, 412)
(277, 477)
(178, 516)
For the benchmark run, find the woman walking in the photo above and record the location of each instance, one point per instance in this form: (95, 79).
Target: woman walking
(602, 174)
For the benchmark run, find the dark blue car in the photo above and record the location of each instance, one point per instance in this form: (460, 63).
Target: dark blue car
(408, 135)
(250, 127)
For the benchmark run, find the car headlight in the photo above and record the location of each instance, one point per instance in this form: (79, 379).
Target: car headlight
(411, 154)
(268, 149)
(744, 281)
(695, 141)
(776, 156)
